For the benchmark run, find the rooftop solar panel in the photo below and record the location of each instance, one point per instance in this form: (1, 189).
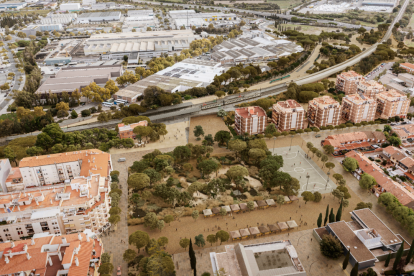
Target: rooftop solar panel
(176, 75)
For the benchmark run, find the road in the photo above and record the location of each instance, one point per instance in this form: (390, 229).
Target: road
(258, 13)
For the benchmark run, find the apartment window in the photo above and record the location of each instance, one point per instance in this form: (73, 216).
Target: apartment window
(8, 235)
(5, 230)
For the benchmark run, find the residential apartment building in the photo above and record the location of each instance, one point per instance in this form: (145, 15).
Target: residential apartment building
(78, 199)
(392, 103)
(256, 259)
(288, 115)
(324, 111)
(71, 255)
(358, 108)
(367, 237)
(408, 67)
(127, 131)
(251, 120)
(348, 82)
(370, 88)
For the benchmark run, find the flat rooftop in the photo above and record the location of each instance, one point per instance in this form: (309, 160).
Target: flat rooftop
(370, 220)
(348, 238)
(324, 101)
(359, 99)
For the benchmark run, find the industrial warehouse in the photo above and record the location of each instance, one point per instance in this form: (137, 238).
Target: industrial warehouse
(253, 49)
(190, 18)
(98, 17)
(181, 76)
(149, 44)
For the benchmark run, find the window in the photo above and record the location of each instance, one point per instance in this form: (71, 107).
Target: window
(5, 230)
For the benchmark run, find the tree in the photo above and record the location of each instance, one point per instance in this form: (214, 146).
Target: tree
(151, 220)
(350, 164)
(153, 175)
(138, 181)
(222, 137)
(280, 199)
(105, 258)
(199, 240)
(220, 94)
(111, 86)
(129, 255)
(319, 222)
(114, 219)
(223, 212)
(162, 241)
(367, 181)
(127, 78)
(237, 146)
(398, 256)
(195, 215)
(143, 131)
(328, 149)
(331, 247)
(410, 253)
(184, 243)
(62, 106)
(10, 154)
(160, 224)
(363, 205)
(387, 261)
(198, 131)
(182, 153)
(346, 260)
(307, 196)
(326, 215)
(193, 260)
(331, 216)
(168, 219)
(309, 145)
(330, 165)
(95, 93)
(222, 236)
(106, 268)
(212, 239)
(74, 114)
(354, 271)
(207, 166)
(139, 239)
(250, 206)
(317, 197)
(237, 172)
(339, 213)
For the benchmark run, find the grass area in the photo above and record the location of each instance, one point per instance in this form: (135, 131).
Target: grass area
(23, 12)
(8, 116)
(408, 42)
(283, 4)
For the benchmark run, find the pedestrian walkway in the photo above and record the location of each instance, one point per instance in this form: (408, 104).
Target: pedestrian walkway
(117, 242)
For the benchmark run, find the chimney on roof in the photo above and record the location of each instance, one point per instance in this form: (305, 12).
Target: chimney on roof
(76, 261)
(87, 237)
(6, 259)
(51, 201)
(50, 261)
(33, 241)
(28, 256)
(25, 247)
(60, 255)
(12, 244)
(64, 240)
(79, 237)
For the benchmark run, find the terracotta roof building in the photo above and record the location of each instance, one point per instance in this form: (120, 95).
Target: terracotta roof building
(392, 103)
(288, 115)
(354, 140)
(358, 108)
(251, 120)
(370, 88)
(71, 255)
(347, 82)
(324, 111)
(404, 131)
(127, 131)
(407, 66)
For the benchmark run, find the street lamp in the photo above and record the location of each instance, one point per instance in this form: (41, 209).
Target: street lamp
(308, 176)
(327, 180)
(291, 140)
(274, 142)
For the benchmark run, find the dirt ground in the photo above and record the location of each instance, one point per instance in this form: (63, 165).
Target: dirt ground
(187, 227)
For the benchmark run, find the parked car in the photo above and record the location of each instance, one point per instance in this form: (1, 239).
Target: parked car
(317, 136)
(121, 159)
(118, 271)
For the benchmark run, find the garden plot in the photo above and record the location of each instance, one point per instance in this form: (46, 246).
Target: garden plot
(295, 164)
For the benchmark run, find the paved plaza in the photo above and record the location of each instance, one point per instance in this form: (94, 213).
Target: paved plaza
(305, 244)
(311, 177)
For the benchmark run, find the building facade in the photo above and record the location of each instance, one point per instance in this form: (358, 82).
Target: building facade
(127, 131)
(409, 67)
(358, 108)
(370, 88)
(392, 103)
(348, 82)
(5, 169)
(324, 111)
(288, 115)
(251, 120)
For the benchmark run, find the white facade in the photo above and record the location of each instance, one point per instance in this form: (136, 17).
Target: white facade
(59, 18)
(98, 17)
(69, 6)
(88, 2)
(5, 168)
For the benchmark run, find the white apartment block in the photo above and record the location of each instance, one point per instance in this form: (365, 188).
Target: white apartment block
(358, 108)
(5, 168)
